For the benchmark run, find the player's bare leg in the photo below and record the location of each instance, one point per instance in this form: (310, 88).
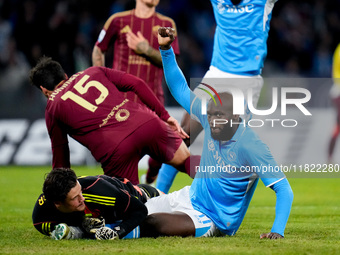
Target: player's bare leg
(178, 161)
(162, 224)
(184, 162)
(167, 174)
(180, 156)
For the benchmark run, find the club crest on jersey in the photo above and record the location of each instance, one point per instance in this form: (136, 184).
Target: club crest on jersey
(125, 29)
(231, 156)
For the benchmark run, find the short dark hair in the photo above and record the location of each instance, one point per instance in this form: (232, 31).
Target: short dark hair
(47, 73)
(58, 184)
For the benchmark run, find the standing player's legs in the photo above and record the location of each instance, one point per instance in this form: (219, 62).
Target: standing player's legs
(166, 177)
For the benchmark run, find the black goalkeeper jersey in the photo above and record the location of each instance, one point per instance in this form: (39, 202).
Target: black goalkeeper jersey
(112, 198)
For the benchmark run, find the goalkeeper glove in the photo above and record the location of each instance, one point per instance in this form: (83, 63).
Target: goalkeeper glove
(105, 233)
(63, 231)
(92, 224)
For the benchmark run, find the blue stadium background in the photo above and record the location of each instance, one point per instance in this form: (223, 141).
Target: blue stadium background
(302, 39)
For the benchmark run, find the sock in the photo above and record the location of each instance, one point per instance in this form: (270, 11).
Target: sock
(168, 173)
(135, 233)
(166, 177)
(190, 165)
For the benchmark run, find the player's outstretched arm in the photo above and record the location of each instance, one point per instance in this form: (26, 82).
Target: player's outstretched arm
(284, 200)
(172, 73)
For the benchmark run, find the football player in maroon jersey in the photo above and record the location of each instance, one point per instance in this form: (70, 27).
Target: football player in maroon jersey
(133, 34)
(91, 108)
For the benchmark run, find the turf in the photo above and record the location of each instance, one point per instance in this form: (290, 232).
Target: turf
(313, 227)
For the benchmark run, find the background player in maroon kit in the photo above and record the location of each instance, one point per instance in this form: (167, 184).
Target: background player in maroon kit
(134, 34)
(90, 107)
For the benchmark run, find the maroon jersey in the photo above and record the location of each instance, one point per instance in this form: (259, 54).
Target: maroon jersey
(91, 108)
(125, 59)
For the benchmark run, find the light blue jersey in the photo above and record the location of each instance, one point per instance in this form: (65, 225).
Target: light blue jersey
(228, 174)
(240, 42)
(229, 171)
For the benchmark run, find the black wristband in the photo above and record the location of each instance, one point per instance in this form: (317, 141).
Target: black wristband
(163, 47)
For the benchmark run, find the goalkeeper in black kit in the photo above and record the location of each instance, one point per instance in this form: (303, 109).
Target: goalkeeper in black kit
(100, 207)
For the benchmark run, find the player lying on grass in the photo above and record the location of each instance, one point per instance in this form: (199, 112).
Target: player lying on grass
(217, 201)
(91, 108)
(87, 203)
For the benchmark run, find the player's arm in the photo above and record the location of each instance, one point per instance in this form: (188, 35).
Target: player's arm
(173, 74)
(141, 46)
(256, 153)
(133, 213)
(127, 82)
(284, 200)
(59, 142)
(106, 36)
(42, 216)
(98, 56)
(115, 204)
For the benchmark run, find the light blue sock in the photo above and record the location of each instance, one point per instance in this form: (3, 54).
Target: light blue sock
(135, 233)
(166, 177)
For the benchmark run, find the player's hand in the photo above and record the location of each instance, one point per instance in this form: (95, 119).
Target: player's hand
(173, 123)
(63, 231)
(138, 43)
(92, 224)
(271, 235)
(166, 35)
(105, 233)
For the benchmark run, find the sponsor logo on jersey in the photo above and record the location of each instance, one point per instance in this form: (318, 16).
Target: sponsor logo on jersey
(138, 60)
(223, 7)
(125, 29)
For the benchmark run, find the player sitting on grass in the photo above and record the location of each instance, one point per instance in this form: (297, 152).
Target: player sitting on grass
(217, 201)
(73, 208)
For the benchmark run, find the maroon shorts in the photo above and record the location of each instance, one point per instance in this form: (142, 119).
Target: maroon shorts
(154, 138)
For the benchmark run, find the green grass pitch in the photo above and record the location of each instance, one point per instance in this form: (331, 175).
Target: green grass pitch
(313, 226)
